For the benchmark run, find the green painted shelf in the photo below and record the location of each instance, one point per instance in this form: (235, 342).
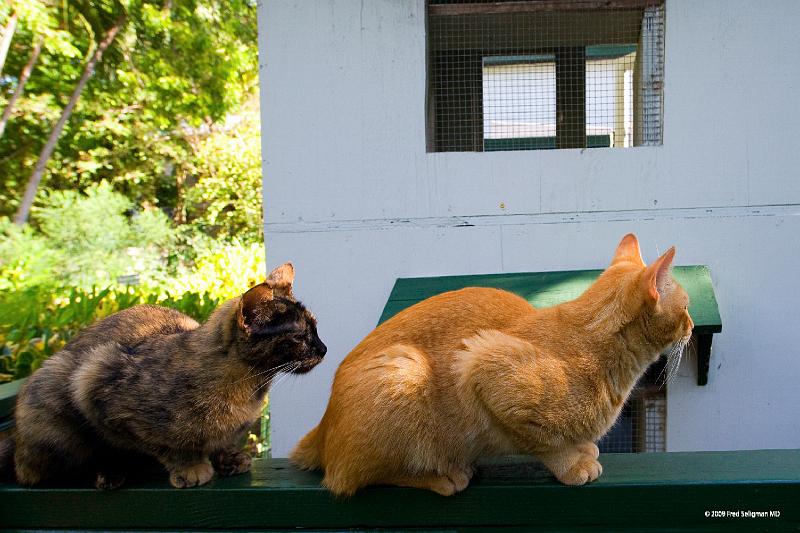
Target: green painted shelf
(637, 492)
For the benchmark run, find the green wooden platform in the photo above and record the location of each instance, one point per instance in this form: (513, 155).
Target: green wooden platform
(545, 289)
(637, 492)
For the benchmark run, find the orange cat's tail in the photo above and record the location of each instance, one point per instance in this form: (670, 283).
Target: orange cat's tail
(308, 452)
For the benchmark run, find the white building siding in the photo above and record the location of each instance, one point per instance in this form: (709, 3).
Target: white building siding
(354, 200)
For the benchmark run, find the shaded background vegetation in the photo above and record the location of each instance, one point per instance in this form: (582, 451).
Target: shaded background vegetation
(152, 189)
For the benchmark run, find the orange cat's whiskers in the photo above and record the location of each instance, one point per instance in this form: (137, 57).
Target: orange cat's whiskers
(664, 375)
(674, 358)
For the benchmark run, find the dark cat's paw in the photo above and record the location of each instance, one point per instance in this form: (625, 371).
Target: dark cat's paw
(191, 476)
(230, 463)
(108, 480)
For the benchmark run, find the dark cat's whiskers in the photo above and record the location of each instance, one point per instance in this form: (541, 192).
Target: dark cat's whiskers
(287, 368)
(273, 370)
(287, 373)
(247, 375)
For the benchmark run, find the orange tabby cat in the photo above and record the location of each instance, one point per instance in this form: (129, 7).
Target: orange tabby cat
(480, 372)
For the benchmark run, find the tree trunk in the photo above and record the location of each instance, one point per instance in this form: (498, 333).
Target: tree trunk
(179, 214)
(33, 182)
(5, 40)
(23, 79)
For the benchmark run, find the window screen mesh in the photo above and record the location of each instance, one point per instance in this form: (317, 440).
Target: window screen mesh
(642, 425)
(543, 74)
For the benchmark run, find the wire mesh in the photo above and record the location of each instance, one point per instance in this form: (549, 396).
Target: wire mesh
(542, 74)
(642, 424)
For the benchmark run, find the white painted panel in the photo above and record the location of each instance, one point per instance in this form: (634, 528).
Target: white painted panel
(751, 400)
(730, 113)
(336, 129)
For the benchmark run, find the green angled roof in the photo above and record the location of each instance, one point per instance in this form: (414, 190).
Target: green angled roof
(545, 289)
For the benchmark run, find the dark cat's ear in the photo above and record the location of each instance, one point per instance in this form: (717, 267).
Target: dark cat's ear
(252, 305)
(656, 277)
(281, 280)
(628, 250)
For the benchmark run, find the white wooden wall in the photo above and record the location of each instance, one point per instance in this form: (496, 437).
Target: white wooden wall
(353, 199)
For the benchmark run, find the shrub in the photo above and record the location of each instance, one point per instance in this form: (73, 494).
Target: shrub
(223, 272)
(97, 236)
(26, 259)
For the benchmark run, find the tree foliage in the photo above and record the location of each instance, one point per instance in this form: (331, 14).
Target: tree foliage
(170, 79)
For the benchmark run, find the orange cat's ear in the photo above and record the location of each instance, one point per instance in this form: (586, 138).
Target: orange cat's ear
(251, 304)
(281, 280)
(657, 275)
(628, 250)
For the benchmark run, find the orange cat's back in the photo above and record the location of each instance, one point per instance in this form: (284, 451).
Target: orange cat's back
(448, 318)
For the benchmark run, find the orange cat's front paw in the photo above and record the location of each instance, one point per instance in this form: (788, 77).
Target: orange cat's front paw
(454, 481)
(460, 476)
(585, 470)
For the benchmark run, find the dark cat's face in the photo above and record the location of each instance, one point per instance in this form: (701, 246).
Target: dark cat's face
(278, 331)
(284, 334)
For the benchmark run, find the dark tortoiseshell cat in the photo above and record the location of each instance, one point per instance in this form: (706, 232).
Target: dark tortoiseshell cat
(152, 381)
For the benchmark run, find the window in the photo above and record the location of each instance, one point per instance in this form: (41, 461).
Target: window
(543, 74)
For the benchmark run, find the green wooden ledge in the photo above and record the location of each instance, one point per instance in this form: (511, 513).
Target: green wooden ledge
(637, 492)
(545, 289)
